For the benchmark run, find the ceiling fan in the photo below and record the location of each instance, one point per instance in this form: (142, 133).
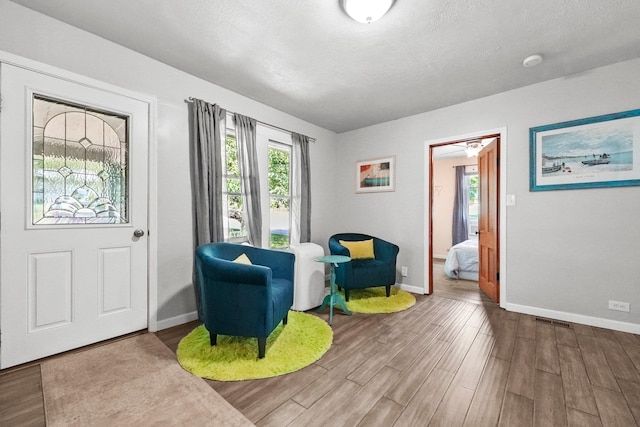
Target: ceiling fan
(473, 147)
(470, 148)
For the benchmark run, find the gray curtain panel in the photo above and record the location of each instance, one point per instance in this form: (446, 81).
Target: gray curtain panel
(302, 201)
(248, 162)
(207, 133)
(460, 229)
(208, 130)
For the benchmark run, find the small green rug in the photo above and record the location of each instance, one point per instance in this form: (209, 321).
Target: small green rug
(374, 300)
(301, 342)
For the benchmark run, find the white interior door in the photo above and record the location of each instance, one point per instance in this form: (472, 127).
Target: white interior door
(73, 190)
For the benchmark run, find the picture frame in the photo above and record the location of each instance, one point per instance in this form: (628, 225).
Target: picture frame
(595, 152)
(376, 175)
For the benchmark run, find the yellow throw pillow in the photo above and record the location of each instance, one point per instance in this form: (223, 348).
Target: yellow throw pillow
(362, 249)
(243, 259)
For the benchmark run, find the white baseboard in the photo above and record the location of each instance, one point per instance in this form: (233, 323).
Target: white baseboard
(177, 320)
(599, 322)
(410, 288)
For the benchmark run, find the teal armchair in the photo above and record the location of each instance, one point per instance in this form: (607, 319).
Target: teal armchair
(365, 273)
(240, 299)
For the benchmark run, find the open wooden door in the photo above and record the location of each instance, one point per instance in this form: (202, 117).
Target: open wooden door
(489, 254)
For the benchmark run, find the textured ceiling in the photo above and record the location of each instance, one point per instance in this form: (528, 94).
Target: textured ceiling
(309, 59)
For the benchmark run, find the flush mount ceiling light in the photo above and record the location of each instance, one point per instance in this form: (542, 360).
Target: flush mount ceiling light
(366, 11)
(532, 60)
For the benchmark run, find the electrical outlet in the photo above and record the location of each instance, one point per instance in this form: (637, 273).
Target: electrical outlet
(405, 271)
(619, 306)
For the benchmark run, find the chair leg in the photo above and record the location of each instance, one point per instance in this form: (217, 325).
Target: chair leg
(213, 338)
(346, 294)
(262, 344)
(286, 319)
(388, 290)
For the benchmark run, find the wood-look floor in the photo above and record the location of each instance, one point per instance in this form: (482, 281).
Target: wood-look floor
(453, 359)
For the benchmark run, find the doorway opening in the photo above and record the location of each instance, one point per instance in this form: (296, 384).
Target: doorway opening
(463, 223)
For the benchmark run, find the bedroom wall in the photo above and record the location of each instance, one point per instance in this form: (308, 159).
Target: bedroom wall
(444, 183)
(35, 36)
(567, 252)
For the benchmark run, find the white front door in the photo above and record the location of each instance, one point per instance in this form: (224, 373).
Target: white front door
(73, 190)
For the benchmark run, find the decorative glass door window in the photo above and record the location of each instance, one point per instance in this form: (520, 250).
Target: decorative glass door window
(79, 163)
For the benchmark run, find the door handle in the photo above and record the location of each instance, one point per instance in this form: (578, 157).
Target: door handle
(138, 233)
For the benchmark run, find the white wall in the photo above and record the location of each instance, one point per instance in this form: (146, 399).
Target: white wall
(444, 177)
(35, 36)
(567, 252)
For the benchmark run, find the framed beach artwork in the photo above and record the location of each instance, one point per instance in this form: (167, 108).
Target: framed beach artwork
(376, 175)
(595, 152)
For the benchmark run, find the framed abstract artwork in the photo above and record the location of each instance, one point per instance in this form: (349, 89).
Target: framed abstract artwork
(376, 175)
(595, 152)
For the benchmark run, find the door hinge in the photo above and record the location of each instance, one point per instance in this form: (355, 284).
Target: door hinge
(497, 277)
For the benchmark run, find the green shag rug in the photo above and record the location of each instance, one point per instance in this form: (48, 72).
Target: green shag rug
(374, 300)
(301, 342)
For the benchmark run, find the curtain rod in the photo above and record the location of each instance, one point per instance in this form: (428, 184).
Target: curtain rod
(191, 99)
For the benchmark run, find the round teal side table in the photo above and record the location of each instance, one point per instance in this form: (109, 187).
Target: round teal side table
(333, 298)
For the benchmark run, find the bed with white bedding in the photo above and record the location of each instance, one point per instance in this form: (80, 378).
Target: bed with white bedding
(462, 261)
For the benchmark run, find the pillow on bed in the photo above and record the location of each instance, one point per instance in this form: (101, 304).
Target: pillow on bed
(361, 249)
(243, 259)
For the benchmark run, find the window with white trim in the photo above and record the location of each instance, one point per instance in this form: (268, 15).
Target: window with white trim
(474, 203)
(279, 195)
(235, 219)
(276, 183)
